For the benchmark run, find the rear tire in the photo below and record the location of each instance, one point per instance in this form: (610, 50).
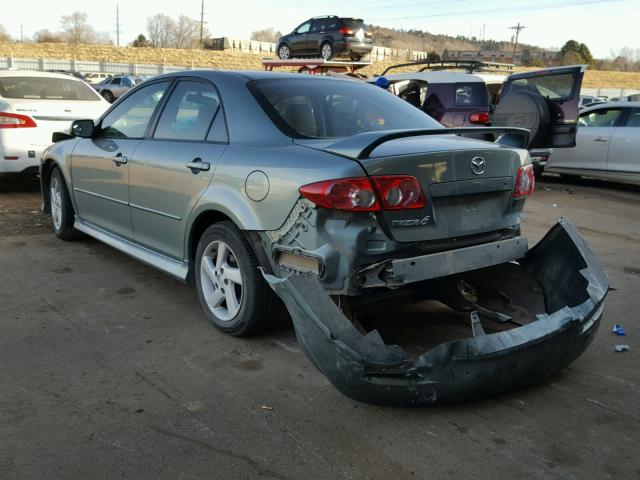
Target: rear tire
(232, 292)
(62, 214)
(356, 58)
(326, 51)
(108, 96)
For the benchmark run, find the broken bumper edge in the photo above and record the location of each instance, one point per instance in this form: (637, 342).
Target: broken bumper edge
(364, 368)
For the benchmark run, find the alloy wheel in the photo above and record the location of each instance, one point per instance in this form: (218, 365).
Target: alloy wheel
(221, 279)
(284, 52)
(55, 193)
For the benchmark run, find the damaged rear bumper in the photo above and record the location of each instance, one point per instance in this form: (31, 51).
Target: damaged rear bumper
(363, 367)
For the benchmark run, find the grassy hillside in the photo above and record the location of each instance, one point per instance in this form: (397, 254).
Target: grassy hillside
(229, 60)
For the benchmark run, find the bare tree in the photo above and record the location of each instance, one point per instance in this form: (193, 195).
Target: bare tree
(4, 35)
(77, 29)
(45, 36)
(160, 28)
(185, 33)
(266, 35)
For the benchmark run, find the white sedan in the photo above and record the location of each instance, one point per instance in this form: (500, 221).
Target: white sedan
(607, 144)
(34, 105)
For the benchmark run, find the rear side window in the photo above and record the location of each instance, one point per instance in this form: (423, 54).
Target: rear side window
(43, 88)
(553, 87)
(472, 94)
(323, 108)
(606, 117)
(634, 119)
(188, 113)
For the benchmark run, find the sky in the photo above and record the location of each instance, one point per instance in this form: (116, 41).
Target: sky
(604, 25)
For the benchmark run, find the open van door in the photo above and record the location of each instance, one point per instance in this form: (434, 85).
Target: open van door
(544, 102)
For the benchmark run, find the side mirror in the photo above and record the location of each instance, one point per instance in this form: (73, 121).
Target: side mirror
(82, 128)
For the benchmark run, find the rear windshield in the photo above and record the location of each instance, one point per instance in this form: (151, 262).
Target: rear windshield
(353, 22)
(323, 108)
(472, 94)
(44, 88)
(553, 87)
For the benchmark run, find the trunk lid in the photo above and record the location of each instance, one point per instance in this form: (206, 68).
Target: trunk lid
(467, 184)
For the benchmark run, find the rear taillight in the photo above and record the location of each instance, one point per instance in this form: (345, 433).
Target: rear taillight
(480, 117)
(15, 120)
(524, 181)
(389, 192)
(346, 31)
(399, 192)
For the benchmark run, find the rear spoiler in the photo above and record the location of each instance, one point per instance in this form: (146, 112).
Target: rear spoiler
(359, 147)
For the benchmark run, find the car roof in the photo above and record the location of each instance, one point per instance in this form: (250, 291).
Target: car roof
(611, 104)
(38, 74)
(247, 75)
(437, 77)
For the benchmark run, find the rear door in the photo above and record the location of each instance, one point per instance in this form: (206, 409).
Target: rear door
(315, 35)
(558, 89)
(100, 165)
(171, 169)
(624, 145)
(595, 130)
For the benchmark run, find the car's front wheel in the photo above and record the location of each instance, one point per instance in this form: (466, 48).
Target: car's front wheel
(108, 96)
(326, 51)
(284, 52)
(62, 216)
(233, 294)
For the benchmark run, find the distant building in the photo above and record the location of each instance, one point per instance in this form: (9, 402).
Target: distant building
(499, 56)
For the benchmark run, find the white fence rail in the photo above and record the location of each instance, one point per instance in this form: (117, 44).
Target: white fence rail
(610, 92)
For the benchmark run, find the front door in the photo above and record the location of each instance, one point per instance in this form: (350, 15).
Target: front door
(100, 165)
(299, 39)
(171, 169)
(625, 145)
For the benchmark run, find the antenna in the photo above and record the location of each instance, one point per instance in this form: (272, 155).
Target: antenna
(517, 28)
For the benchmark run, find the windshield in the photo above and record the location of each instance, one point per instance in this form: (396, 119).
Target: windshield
(46, 88)
(323, 108)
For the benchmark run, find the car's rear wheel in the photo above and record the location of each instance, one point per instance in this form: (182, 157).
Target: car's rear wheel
(326, 50)
(233, 294)
(108, 96)
(284, 52)
(356, 58)
(62, 215)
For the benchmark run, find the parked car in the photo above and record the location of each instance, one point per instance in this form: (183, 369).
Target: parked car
(458, 99)
(607, 144)
(33, 105)
(73, 73)
(252, 183)
(94, 78)
(588, 101)
(114, 87)
(327, 37)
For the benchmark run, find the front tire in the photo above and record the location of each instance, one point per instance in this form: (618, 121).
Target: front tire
(108, 96)
(326, 51)
(284, 52)
(232, 292)
(62, 214)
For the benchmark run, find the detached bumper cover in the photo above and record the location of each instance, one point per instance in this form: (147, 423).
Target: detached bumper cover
(363, 367)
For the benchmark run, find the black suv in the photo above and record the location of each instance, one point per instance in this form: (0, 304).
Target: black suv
(327, 37)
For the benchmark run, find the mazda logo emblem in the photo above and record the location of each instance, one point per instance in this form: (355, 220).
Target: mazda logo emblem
(478, 165)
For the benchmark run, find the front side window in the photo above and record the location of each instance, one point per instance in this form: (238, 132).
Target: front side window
(606, 117)
(304, 28)
(188, 113)
(46, 88)
(116, 81)
(634, 119)
(130, 118)
(324, 108)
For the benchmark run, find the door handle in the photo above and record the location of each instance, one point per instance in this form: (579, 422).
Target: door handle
(198, 166)
(600, 139)
(120, 159)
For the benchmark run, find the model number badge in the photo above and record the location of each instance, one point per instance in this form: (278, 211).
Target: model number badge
(411, 222)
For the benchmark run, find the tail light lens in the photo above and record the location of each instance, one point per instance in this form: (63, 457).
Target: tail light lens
(389, 192)
(347, 32)
(399, 192)
(352, 194)
(524, 181)
(480, 117)
(15, 120)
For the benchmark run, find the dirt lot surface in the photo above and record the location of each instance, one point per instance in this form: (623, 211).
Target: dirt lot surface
(109, 370)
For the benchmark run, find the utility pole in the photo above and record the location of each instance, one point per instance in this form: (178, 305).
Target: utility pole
(517, 28)
(117, 24)
(21, 32)
(202, 24)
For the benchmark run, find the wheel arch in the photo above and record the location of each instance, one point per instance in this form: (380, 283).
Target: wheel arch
(46, 167)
